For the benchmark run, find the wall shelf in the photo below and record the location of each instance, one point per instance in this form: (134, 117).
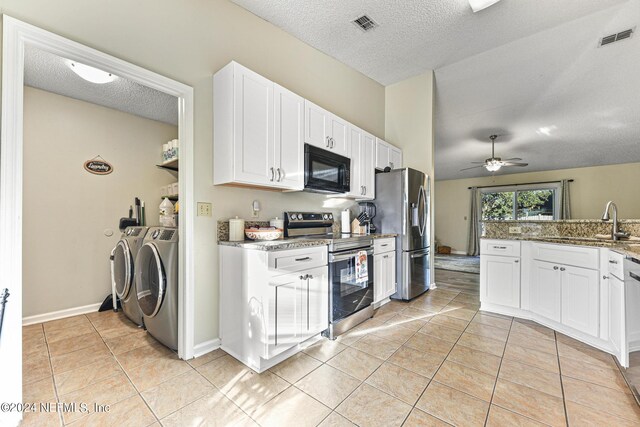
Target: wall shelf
(171, 165)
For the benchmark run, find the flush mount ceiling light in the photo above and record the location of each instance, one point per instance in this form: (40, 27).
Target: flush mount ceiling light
(91, 74)
(478, 5)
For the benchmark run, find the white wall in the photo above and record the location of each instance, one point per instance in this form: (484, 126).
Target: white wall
(189, 41)
(592, 188)
(409, 125)
(67, 209)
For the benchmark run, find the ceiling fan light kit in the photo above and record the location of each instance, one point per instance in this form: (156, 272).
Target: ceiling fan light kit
(494, 164)
(478, 5)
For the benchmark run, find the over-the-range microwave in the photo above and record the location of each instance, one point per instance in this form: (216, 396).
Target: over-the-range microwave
(326, 172)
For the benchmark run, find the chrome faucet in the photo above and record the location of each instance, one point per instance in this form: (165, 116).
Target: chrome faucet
(616, 233)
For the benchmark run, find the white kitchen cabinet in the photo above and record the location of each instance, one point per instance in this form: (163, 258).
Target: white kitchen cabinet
(271, 302)
(363, 179)
(617, 315)
(325, 130)
(500, 280)
(546, 290)
(387, 155)
(258, 131)
(580, 299)
(384, 270)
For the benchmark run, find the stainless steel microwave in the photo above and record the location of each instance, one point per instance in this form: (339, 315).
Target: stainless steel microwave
(326, 172)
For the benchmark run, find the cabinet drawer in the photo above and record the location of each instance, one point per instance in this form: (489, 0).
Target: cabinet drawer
(500, 247)
(577, 256)
(384, 245)
(297, 259)
(616, 264)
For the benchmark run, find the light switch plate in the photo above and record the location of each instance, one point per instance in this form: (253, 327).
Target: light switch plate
(204, 209)
(515, 230)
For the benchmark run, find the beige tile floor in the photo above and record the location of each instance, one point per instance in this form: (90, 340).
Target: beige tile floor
(435, 361)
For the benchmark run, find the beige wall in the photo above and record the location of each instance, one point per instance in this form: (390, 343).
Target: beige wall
(189, 41)
(66, 209)
(409, 125)
(592, 188)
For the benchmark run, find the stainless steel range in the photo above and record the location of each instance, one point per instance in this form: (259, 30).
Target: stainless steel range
(351, 290)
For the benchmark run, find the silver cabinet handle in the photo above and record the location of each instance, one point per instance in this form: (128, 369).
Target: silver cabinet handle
(391, 165)
(272, 174)
(309, 276)
(333, 143)
(605, 277)
(365, 190)
(303, 259)
(612, 261)
(328, 141)
(302, 277)
(516, 261)
(386, 256)
(562, 269)
(499, 247)
(386, 244)
(279, 174)
(4, 296)
(555, 267)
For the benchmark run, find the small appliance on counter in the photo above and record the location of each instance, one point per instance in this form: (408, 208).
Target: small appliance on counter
(350, 269)
(236, 229)
(370, 210)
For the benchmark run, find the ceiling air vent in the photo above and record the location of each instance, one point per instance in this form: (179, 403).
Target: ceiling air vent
(622, 35)
(365, 23)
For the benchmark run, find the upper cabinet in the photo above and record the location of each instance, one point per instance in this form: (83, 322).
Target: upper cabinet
(363, 160)
(326, 130)
(258, 131)
(387, 155)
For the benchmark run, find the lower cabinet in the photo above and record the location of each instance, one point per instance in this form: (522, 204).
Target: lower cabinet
(298, 308)
(384, 276)
(500, 280)
(546, 290)
(580, 299)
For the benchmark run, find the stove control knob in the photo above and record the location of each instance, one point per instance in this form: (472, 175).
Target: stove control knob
(325, 216)
(330, 216)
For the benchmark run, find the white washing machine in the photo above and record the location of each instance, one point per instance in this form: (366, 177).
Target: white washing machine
(156, 280)
(123, 258)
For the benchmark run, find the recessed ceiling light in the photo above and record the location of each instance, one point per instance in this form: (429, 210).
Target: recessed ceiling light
(91, 74)
(478, 5)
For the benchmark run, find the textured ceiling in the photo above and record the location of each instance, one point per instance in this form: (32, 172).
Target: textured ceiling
(414, 35)
(49, 72)
(558, 99)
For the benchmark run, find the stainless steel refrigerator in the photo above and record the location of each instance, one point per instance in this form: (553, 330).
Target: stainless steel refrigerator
(402, 207)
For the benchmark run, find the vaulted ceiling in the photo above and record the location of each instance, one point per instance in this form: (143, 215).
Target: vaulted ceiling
(529, 70)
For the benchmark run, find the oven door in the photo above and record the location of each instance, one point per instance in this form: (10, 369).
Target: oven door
(325, 171)
(348, 294)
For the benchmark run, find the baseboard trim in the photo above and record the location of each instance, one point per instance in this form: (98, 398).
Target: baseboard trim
(206, 347)
(459, 252)
(61, 314)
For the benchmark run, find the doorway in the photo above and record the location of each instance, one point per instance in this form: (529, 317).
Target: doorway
(17, 36)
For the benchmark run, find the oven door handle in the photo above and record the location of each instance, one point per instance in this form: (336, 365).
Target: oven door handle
(348, 255)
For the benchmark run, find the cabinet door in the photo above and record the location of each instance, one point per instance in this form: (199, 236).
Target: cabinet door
(500, 280)
(317, 302)
(367, 165)
(339, 132)
(356, 187)
(580, 299)
(289, 139)
(617, 317)
(316, 128)
(395, 158)
(389, 260)
(546, 290)
(379, 278)
(254, 139)
(285, 313)
(383, 153)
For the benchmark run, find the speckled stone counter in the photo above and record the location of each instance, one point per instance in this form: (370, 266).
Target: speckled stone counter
(296, 243)
(581, 232)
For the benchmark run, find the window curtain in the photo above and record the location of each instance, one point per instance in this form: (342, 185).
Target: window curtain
(473, 244)
(565, 200)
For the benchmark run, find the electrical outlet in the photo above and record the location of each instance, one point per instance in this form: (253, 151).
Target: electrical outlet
(515, 230)
(204, 209)
(255, 214)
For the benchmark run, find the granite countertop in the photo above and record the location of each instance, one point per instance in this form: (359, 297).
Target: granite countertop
(295, 243)
(629, 248)
(559, 221)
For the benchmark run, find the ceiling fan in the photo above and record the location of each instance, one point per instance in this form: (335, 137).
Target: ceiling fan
(494, 163)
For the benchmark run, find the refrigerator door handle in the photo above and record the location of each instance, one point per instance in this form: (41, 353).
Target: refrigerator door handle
(420, 224)
(420, 254)
(424, 210)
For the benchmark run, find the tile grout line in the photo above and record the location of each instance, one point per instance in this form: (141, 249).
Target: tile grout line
(564, 399)
(493, 392)
(53, 378)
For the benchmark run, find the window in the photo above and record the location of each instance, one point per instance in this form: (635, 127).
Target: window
(522, 202)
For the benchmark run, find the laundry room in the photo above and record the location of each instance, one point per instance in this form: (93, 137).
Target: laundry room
(90, 151)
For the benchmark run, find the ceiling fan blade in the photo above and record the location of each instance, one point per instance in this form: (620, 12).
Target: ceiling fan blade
(515, 164)
(514, 159)
(477, 163)
(472, 167)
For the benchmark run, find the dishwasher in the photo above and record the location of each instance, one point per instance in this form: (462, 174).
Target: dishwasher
(632, 309)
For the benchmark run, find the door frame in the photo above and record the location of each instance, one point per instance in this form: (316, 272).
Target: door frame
(17, 34)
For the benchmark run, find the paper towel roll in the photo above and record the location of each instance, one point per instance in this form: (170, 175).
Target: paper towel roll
(236, 229)
(277, 223)
(345, 222)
